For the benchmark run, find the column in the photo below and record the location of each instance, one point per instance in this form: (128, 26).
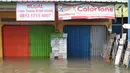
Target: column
(1, 52)
(128, 20)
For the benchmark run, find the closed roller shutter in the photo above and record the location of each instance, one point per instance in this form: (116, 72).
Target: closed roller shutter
(78, 41)
(98, 39)
(40, 40)
(16, 41)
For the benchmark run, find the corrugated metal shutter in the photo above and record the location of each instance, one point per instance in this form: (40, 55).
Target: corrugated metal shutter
(78, 41)
(40, 40)
(98, 39)
(16, 41)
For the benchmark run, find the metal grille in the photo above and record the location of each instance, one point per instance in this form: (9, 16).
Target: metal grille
(98, 40)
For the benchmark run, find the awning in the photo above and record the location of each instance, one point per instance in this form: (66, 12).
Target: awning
(121, 1)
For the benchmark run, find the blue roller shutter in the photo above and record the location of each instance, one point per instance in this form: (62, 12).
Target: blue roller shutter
(78, 42)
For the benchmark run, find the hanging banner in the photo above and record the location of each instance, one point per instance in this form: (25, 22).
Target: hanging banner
(86, 11)
(35, 11)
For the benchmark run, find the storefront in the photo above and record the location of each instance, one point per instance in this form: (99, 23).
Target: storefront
(84, 33)
(25, 41)
(85, 27)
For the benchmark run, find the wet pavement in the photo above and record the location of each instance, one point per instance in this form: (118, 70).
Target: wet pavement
(72, 65)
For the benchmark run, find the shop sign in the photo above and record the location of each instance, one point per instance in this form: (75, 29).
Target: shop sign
(35, 11)
(86, 11)
(126, 26)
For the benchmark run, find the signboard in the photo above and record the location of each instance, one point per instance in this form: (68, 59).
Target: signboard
(59, 45)
(86, 11)
(35, 11)
(126, 26)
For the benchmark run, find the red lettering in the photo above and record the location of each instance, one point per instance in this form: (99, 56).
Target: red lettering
(103, 9)
(48, 10)
(21, 15)
(79, 8)
(91, 9)
(24, 15)
(39, 10)
(46, 15)
(35, 15)
(35, 6)
(111, 9)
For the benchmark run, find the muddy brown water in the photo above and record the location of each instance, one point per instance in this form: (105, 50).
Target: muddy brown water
(71, 65)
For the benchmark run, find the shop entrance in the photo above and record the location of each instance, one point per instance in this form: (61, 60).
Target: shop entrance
(78, 42)
(15, 41)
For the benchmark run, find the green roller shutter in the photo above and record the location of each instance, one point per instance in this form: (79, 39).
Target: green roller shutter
(40, 40)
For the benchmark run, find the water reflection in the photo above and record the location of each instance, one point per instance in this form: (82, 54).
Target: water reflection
(117, 69)
(46, 65)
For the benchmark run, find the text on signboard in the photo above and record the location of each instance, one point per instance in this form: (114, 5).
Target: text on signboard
(91, 9)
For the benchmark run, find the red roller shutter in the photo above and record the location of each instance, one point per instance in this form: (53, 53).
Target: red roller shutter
(16, 41)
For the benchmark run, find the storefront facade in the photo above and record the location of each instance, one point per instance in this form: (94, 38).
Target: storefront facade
(84, 35)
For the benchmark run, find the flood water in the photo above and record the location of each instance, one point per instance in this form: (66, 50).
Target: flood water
(72, 65)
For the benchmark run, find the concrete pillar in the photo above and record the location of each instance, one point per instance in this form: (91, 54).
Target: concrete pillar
(1, 52)
(60, 26)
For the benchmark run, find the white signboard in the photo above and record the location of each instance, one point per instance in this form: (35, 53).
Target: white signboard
(59, 47)
(126, 26)
(86, 11)
(35, 11)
